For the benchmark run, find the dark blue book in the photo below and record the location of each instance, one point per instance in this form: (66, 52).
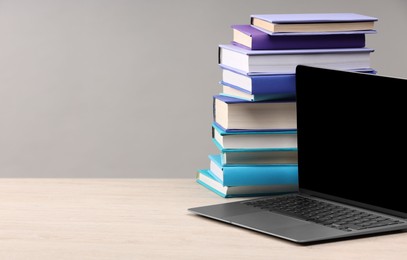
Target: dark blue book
(257, 87)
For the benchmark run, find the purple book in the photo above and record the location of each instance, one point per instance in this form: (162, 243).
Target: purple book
(251, 38)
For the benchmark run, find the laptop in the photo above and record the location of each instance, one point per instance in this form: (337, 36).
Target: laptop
(352, 141)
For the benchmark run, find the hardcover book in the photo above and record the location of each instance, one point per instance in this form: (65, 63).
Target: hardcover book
(272, 84)
(236, 92)
(313, 22)
(246, 139)
(256, 148)
(256, 39)
(206, 179)
(232, 114)
(253, 62)
(253, 174)
(246, 157)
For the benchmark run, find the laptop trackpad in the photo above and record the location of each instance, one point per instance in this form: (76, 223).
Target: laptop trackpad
(282, 226)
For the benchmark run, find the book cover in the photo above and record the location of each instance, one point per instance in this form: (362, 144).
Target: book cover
(257, 156)
(253, 174)
(315, 17)
(258, 62)
(259, 84)
(207, 180)
(255, 39)
(248, 52)
(253, 140)
(236, 92)
(313, 22)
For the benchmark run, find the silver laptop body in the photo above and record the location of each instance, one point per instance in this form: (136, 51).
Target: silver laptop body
(351, 159)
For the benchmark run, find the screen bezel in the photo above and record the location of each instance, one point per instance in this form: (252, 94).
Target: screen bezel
(300, 70)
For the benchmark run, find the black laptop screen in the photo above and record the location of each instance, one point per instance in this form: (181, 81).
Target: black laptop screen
(352, 136)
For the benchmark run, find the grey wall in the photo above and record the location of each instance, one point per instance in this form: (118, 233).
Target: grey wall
(120, 88)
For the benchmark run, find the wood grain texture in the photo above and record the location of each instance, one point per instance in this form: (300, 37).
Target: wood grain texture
(145, 219)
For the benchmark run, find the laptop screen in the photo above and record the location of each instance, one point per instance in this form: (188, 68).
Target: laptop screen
(352, 137)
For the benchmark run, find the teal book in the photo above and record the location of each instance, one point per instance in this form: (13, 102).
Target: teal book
(206, 178)
(255, 140)
(257, 156)
(253, 174)
(255, 148)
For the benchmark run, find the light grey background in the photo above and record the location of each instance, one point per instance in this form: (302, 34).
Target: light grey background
(120, 88)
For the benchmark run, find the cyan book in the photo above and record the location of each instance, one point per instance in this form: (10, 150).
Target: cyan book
(253, 174)
(246, 139)
(257, 156)
(207, 179)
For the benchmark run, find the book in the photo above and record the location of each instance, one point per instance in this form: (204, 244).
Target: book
(236, 92)
(313, 22)
(249, 37)
(257, 148)
(246, 157)
(252, 174)
(206, 179)
(272, 84)
(251, 62)
(232, 114)
(245, 139)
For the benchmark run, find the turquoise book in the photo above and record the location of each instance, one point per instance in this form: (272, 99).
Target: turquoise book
(255, 148)
(206, 179)
(246, 139)
(239, 175)
(257, 156)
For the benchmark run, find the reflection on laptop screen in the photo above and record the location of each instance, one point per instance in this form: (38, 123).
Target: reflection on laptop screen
(352, 137)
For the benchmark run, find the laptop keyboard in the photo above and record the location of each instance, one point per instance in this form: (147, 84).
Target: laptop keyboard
(327, 214)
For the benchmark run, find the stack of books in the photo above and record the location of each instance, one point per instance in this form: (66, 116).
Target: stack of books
(254, 126)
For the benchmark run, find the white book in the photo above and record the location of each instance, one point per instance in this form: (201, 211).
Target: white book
(285, 61)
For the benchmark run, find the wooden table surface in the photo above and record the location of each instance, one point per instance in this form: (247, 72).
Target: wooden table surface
(145, 219)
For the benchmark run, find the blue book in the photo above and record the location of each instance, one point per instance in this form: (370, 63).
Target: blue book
(253, 174)
(206, 178)
(233, 114)
(272, 84)
(236, 92)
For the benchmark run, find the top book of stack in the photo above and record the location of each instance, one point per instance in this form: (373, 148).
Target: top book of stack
(312, 22)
